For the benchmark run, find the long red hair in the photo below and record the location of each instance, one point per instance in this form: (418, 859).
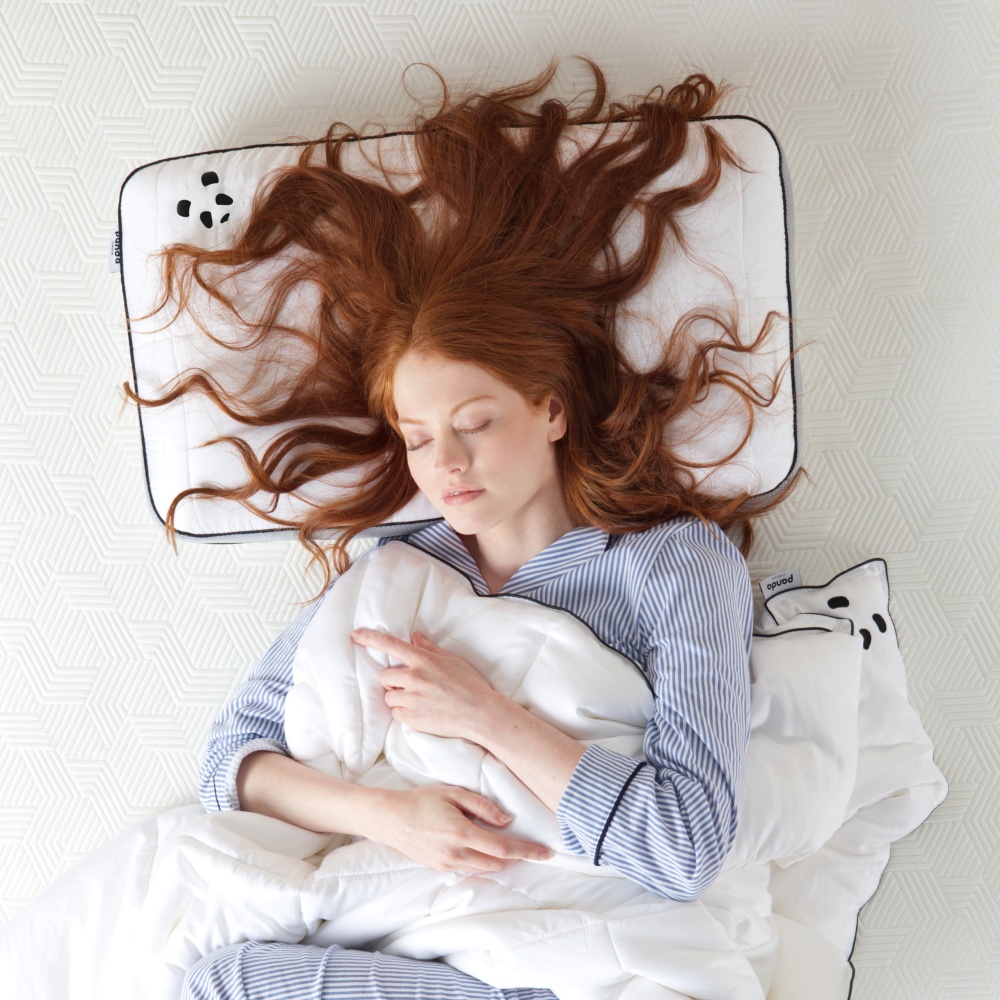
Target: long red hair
(514, 270)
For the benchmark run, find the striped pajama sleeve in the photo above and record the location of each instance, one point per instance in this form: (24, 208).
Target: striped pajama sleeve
(257, 970)
(668, 824)
(253, 719)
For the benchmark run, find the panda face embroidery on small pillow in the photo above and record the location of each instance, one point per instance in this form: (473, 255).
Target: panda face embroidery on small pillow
(860, 594)
(840, 601)
(206, 204)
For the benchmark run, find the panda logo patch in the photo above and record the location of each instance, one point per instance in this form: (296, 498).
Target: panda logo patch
(866, 635)
(208, 179)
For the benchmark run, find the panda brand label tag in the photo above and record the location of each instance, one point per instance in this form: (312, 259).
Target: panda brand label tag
(115, 252)
(780, 581)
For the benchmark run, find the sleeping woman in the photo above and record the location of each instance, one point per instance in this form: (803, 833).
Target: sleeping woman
(467, 326)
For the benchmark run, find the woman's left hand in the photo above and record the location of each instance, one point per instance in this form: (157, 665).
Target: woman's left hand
(434, 691)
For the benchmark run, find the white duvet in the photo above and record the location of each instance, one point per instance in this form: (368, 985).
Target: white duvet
(838, 767)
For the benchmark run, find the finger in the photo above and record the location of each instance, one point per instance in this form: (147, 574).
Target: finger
(475, 863)
(506, 849)
(398, 702)
(495, 844)
(479, 806)
(392, 678)
(386, 643)
(421, 640)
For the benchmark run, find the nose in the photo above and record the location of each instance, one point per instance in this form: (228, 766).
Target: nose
(451, 455)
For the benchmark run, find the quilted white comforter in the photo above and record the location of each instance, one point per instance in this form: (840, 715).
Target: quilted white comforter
(838, 767)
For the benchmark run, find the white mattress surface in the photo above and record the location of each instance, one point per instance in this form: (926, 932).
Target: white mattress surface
(115, 652)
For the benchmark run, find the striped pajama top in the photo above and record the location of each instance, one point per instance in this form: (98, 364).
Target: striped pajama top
(675, 599)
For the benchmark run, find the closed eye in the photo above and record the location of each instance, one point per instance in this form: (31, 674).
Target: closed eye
(469, 430)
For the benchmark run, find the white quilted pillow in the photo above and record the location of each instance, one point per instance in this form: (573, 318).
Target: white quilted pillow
(803, 754)
(896, 786)
(739, 235)
(895, 752)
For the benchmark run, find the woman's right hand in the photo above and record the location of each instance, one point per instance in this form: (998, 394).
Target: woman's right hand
(433, 825)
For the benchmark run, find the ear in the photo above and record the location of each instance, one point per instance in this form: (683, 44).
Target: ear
(557, 417)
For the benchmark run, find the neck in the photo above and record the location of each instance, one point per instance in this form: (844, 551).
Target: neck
(502, 551)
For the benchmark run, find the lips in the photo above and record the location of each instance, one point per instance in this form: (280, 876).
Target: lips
(462, 494)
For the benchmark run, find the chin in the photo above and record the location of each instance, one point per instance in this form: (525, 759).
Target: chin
(463, 525)
(469, 522)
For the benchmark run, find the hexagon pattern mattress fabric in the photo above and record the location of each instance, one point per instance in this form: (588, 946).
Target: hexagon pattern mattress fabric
(115, 652)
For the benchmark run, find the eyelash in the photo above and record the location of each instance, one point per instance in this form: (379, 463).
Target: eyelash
(471, 430)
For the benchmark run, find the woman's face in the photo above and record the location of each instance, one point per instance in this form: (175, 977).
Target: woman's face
(479, 451)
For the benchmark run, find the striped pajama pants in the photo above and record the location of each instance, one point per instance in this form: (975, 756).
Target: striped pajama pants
(257, 970)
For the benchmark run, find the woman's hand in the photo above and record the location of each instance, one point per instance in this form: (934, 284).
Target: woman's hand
(434, 691)
(439, 693)
(433, 825)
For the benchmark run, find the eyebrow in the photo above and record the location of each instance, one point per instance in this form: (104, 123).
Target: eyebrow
(454, 409)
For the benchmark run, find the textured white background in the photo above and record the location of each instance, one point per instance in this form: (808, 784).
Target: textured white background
(115, 653)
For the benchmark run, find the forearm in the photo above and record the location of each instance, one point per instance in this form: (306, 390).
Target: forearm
(542, 756)
(279, 786)
(433, 825)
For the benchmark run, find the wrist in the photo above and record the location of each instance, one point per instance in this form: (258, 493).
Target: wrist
(362, 810)
(537, 752)
(497, 718)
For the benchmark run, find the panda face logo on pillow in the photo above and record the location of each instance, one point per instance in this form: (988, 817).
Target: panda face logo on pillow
(839, 601)
(860, 594)
(207, 207)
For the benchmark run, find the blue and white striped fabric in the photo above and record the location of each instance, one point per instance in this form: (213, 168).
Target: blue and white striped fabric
(674, 598)
(257, 970)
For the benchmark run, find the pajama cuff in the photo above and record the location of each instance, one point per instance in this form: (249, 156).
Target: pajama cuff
(225, 774)
(595, 790)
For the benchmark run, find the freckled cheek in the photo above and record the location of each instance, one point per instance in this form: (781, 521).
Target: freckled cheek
(495, 456)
